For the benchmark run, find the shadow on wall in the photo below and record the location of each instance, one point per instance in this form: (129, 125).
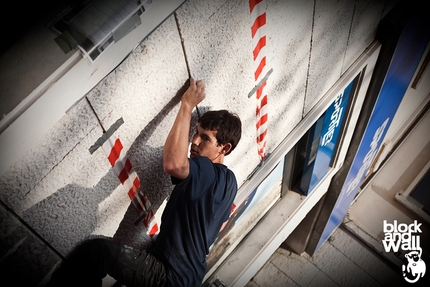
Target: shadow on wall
(154, 182)
(71, 214)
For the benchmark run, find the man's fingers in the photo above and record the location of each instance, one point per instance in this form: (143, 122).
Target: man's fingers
(192, 82)
(200, 86)
(195, 93)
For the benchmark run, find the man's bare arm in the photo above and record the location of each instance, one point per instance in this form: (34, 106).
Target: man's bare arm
(223, 225)
(175, 152)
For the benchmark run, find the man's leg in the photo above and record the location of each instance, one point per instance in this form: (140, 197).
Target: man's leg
(92, 260)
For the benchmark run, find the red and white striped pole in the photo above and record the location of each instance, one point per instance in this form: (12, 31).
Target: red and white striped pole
(116, 154)
(122, 167)
(258, 16)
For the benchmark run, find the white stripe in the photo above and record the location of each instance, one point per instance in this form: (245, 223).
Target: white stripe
(262, 129)
(108, 145)
(259, 9)
(128, 184)
(257, 64)
(264, 109)
(262, 50)
(263, 72)
(120, 163)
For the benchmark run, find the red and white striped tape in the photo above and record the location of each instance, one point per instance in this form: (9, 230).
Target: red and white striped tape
(123, 169)
(258, 16)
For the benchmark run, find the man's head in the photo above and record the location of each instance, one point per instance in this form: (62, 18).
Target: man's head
(218, 133)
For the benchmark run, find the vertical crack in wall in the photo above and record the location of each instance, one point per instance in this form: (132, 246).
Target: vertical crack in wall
(309, 61)
(30, 230)
(51, 169)
(95, 114)
(349, 37)
(185, 54)
(21, 220)
(55, 165)
(182, 45)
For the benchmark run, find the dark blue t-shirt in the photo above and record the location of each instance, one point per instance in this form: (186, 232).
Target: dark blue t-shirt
(192, 218)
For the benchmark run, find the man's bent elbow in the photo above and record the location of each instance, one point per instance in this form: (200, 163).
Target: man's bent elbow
(179, 171)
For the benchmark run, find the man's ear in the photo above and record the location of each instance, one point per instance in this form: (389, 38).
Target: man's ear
(226, 148)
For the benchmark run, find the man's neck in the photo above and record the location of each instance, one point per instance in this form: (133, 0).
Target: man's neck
(219, 159)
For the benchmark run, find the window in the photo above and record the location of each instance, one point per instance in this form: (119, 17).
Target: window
(315, 153)
(416, 197)
(421, 195)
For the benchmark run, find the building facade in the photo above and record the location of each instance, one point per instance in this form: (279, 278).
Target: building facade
(321, 66)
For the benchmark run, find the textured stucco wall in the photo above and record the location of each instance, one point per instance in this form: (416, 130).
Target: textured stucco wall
(63, 194)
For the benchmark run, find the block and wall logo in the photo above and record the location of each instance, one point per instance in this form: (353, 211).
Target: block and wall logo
(406, 237)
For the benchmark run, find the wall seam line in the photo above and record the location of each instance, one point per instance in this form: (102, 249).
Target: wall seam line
(30, 229)
(309, 61)
(184, 53)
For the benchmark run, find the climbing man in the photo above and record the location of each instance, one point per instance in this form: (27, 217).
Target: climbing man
(196, 211)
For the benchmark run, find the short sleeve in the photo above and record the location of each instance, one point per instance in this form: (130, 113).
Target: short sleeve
(201, 177)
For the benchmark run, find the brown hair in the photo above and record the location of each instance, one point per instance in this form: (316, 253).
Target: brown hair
(227, 125)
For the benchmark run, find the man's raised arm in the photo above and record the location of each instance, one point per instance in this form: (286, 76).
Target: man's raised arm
(175, 152)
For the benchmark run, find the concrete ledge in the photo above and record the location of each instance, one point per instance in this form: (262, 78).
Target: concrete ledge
(265, 238)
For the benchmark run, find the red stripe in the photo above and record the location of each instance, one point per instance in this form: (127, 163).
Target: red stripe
(133, 190)
(259, 21)
(123, 175)
(115, 152)
(262, 104)
(260, 68)
(148, 217)
(263, 101)
(260, 137)
(154, 230)
(260, 90)
(132, 193)
(233, 208)
(261, 151)
(262, 121)
(261, 43)
(252, 4)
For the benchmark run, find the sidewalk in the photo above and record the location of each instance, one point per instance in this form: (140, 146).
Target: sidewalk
(342, 261)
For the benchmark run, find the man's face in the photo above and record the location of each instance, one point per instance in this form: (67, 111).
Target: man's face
(204, 143)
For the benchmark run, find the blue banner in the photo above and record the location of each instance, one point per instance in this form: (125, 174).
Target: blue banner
(329, 136)
(407, 55)
(322, 142)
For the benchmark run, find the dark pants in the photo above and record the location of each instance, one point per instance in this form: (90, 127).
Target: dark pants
(92, 260)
